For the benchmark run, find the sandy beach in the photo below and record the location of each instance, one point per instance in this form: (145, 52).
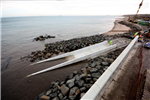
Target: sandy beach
(15, 86)
(118, 28)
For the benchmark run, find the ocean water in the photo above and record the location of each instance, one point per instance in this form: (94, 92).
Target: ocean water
(18, 32)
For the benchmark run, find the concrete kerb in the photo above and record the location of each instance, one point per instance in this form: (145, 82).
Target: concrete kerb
(92, 94)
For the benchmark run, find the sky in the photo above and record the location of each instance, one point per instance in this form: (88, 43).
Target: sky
(73, 7)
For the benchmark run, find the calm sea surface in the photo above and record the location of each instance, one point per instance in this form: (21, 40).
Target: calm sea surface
(18, 32)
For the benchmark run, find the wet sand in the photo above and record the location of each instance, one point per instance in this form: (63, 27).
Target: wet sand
(15, 86)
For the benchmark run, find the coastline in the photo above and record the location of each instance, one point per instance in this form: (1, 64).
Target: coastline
(118, 28)
(42, 82)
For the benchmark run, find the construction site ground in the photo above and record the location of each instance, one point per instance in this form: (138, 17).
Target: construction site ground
(126, 81)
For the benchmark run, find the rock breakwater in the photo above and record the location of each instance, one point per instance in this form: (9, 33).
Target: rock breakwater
(71, 45)
(77, 84)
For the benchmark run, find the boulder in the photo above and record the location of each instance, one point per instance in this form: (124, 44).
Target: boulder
(70, 81)
(105, 63)
(73, 93)
(77, 77)
(97, 63)
(70, 76)
(93, 65)
(88, 76)
(88, 69)
(81, 95)
(70, 85)
(98, 67)
(48, 54)
(83, 89)
(87, 80)
(88, 85)
(83, 76)
(96, 75)
(56, 98)
(44, 97)
(48, 92)
(64, 89)
(61, 83)
(93, 70)
(95, 79)
(54, 89)
(52, 95)
(80, 83)
(60, 96)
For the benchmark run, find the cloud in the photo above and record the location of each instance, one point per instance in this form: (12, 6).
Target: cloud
(72, 7)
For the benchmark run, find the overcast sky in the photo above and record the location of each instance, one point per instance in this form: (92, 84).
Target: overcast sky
(73, 7)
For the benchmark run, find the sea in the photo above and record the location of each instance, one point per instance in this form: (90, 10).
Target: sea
(17, 34)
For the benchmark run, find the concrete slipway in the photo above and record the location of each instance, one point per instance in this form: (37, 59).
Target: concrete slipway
(85, 53)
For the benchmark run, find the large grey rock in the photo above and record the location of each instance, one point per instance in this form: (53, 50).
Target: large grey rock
(54, 89)
(83, 89)
(44, 97)
(88, 85)
(77, 77)
(65, 98)
(91, 81)
(81, 95)
(88, 69)
(64, 89)
(83, 75)
(93, 70)
(80, 83)
(95, 79)
(53, 95)
(88, 76)
(70, 85)
(70, 81)
(60, 96)
(96, 75)
(84, 71)
(70, 76)
(93, 64)
(98, 67)
(108, 60)
(87, 80)
(97, 63)
(48, 92)
(73, 93)
(100, 60)
(105, 64)
(61, 83)
(56, 98)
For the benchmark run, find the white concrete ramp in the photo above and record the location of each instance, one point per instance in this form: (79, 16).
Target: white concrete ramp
(79, 53)
(84, 53)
